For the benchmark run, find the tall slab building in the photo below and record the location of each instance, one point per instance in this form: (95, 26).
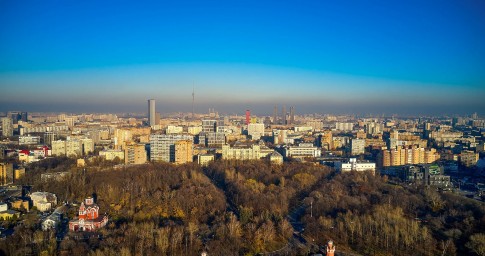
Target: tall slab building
(151, 112)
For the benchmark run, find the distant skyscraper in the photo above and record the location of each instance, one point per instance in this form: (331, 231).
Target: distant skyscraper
(193, 100)
(7, 127)
(283, 114)
(248, 116)
(292, 115)
(275, 114)
(49, 137)
(24, 116)
(151, 112)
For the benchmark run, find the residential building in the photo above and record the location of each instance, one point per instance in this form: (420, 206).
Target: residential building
(344, 126)
(469, 158)
(279, 136)
(73, 148)
(241, 152)
(9, 214)
(7, 126)
(276, 158)
(204, 159)
(215, 139)
(44, 201)
(172, 129)
(317, 125)
(184, 151)
(162, 146)
(58, 148)
(194, 130)
(402, 155)
(29, 140)
(302, 150)
(357, 147)
(121, 137)
(49, 137)
(135, 154)
(256, 131)
(112, 154)
(19, 173)
(87, 146)
(353, 165)
(209, 126)
(6, 173)
(20, 204)
(327, 140)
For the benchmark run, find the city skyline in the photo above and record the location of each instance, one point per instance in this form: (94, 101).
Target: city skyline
(412, 59)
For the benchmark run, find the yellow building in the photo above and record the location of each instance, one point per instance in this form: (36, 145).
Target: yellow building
(403, 155)
(81, 162)
(469, 158)
(6, 173)
(122, 137)
(204, 159)
(194, 130)
(135, 154)
(241, 153)
(112, 154)
(20, 204)
(276, 158)
(184, 151)
(19, 173)
(9, 214)
(327, 140)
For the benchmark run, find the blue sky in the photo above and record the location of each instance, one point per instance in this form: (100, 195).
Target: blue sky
(410, 57)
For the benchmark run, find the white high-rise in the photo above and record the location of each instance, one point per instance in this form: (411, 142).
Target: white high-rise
(151, 112)
(7, 126)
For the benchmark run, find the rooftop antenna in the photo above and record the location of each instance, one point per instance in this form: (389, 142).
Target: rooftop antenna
(193, 98)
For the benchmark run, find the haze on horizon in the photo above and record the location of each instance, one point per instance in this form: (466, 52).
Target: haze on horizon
(377, 57)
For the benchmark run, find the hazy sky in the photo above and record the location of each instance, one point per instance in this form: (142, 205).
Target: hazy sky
(421, 57)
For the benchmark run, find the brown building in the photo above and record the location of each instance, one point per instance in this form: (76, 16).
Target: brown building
(327, 140)
(135, 154)
(183, 151)
(21, 204)
(469, 158)
(6, 173)
(361, 135)
(403, 155)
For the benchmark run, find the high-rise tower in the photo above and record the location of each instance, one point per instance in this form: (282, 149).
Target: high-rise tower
(292, 115)
(7, 126)
(248, 116)
(151, 112)
(193, 100)
(275, 114)
(283, 114)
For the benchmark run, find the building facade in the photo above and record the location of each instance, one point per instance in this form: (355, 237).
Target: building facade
(135, 154)
(6, 173)
(151, 113)
(302, 150)
(162, 146)
(402, 155)
(353, 165)
(184, 151)
(357, 147)
(256, 131)
(7, 126)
